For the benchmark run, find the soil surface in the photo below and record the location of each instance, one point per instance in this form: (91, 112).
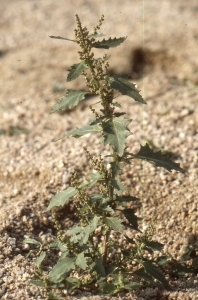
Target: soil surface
(160, 55)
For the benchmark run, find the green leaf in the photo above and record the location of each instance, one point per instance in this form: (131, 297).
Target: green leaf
(72, 283)
(110, 43)
(115, 133)
(94, 35)
(98, 267)
(132, 286)
(95, 178)
(155, 272)
(126, 198)
(118, 186)
(89, 229)
(156, 158)
(31, 241)
(155, 246)
(129, 213)
(61, 38)
(108, 288)
(143, 275)
(114, 223)
(195, 262)
(72, 98)
(39, 283)
(39, 259)
(61, 268)
(110, 269)
(115, 167)
(62, 197)
(81, 261)
(125, 87)
(76, 70)
(78, 132)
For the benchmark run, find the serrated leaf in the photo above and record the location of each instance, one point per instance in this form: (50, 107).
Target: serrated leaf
(110, 43)
(72, 283)
(58, 245)
(76, 70)
(118, 186)
(62, 197)
(125, 87)
(115, 133)
(72, 98)
(38, 260)
(156, 273)
(98, 267)
(115, 168)
(39, 283)
(94, 35)
(61, 268)
(114, 223)
(31, 241)
(157, 159)
(81, 261)
(89, 229)
(129, 214)
(155, 246)
(143, 275)
(78, 132)
(61, 38)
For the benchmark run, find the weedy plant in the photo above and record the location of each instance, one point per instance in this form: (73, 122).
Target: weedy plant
(90, 255)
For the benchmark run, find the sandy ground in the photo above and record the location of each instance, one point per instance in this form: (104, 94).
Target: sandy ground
(161, 55)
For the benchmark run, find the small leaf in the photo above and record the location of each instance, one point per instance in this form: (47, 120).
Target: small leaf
(129, 213)
(125, 87)
(155, 246)
(114, 223)
(62, 197)
(110, 43)
(155, 272)
(115, 132)
(108, 288)
(156, 158)
(118, 186)
(81, 261)
(195, 262)
(132, 286)
(127, 198)
(61, 268)
(98, 267)
(31, 241)
(39, 259)
(76, 70)
(110, 269)
(95, 178)
(39, 283)
(78, 132)
(61, 38)
(72, 98)
(143, 275)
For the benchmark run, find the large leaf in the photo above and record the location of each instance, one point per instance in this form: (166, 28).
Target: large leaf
(98, 267)
(110, 43)
(78, 132)
(62, 197)
(114, 223)
(118, 186)
(76, 70)
(155, 246)
(143, 275)
(121, 84)
(115, 133)
(156, 158)
(81, 261)
(72, 98)
(61, 38)
(61, 268)
(156, 273)
(129, 214)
